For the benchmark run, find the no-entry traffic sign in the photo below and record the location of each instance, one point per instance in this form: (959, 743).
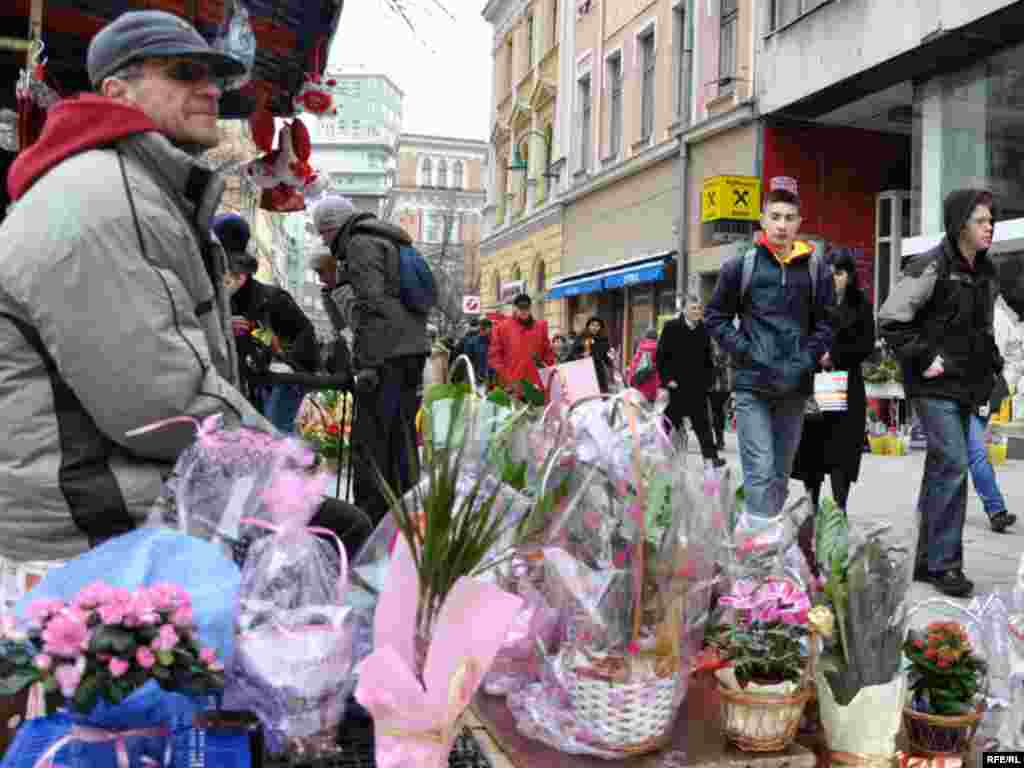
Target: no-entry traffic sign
(471, 305)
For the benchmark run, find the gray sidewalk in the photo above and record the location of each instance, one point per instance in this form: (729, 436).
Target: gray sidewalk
(887, 492)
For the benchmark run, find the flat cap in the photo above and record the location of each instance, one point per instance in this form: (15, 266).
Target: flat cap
(138, 35)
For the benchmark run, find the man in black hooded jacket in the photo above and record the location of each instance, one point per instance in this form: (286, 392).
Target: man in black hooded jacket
(938, 319)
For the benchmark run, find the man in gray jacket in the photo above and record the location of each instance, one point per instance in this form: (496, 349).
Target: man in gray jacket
(113, 312)
(389, 349)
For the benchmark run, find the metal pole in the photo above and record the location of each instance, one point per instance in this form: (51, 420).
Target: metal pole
(683, 257)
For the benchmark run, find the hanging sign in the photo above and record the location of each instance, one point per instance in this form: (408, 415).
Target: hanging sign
(731, 197)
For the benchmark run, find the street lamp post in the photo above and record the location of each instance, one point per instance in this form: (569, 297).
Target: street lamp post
(518, 164)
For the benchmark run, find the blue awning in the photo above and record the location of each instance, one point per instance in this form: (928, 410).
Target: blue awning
(577, 287)
(642, 273)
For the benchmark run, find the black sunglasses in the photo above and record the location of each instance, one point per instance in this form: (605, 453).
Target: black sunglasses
(190, 72)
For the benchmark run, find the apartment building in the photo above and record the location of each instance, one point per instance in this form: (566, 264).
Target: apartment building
(521, 249)
(917, 100)
(438, 198)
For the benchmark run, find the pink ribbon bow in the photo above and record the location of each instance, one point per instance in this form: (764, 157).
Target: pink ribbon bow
(91, 735)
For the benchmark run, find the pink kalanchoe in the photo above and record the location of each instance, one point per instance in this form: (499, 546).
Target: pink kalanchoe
(40, 610)
(208, 656)
(741, 598)
(118, 667)
(42, 662)
(145, 657)
(68, 677)
(111, 613)
(64, 635)
(94, 595)
(183, 617)
(166, 640)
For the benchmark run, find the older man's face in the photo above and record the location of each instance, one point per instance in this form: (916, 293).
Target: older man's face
(179, 94)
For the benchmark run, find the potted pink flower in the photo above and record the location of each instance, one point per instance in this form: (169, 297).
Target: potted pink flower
(106, 655)
(764, 680)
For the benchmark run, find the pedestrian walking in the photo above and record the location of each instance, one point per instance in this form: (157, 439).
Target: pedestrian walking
(520, 346)
(780, 292)
(721, 390)
(595, 345)
(832, 442)
(643, 371)
(476, 345)
(389, 351)
(683, 356)
(938, 320)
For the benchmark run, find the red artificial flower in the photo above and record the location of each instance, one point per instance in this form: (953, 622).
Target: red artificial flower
(317, 102)
(333, 429)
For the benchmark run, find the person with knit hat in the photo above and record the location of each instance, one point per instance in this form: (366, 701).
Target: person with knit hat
(769, 312)
(389, 349)
(938, 319)
(254, 307)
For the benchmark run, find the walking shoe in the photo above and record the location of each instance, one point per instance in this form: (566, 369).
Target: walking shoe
(952, 583)
(1000, 521)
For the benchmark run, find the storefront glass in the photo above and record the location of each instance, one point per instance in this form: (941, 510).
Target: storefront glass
(969, 132)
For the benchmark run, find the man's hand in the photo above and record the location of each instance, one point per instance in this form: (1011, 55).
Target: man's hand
(935, 369)
(826, 361)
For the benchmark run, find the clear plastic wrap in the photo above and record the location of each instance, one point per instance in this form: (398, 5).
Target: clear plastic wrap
(628, 567)
(292, 665)
(239, 42)
(219, 480)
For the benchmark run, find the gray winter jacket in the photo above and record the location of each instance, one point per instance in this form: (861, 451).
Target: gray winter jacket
(382, 327)
(99, 336)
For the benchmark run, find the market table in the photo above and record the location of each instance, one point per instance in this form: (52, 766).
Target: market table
(697, 740)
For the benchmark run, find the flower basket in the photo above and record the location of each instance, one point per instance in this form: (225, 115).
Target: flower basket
(934, 735)
(757, 721)
(631, 718)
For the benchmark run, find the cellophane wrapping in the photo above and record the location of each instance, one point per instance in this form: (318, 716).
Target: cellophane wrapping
(628, 568)
(292, 665)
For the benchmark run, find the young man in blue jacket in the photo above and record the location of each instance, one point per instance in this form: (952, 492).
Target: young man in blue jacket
(778, 291)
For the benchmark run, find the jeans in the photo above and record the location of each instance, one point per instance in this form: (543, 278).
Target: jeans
(768, 431)
(280, 404)
(942, 503)
(982, 474)
(717, 401)
(695, 406)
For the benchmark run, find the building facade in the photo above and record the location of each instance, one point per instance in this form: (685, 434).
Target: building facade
(438, 198)
(357, 147)
(521, 249)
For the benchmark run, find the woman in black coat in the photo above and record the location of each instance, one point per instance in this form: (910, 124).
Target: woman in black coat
(832, 443)
(594, 343)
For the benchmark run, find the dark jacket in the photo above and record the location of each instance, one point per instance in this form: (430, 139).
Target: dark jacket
(476, 347)
(781, 336)
(274, 308)
(836, 440)
(943, 307)
(684, 356)
(382, 327)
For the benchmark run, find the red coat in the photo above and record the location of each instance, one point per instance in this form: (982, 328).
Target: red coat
(650, 387)
(514, 347)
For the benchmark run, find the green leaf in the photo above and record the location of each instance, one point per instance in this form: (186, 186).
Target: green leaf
(500, 397)
(112, 640)
(532, 395)
(87, 695)
(832, 533)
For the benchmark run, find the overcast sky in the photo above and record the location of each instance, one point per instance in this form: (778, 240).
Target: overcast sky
(444, 69)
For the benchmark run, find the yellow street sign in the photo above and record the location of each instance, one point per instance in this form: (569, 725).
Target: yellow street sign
(731, 197)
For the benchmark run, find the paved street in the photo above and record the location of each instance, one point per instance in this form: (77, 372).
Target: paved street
(887, 491)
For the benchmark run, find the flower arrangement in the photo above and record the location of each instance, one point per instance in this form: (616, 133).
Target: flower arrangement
(763, 644)
(946, 676)
(323, 424)
(106, 643)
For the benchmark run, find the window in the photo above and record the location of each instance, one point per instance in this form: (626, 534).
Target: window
(727, 46)
(442, 173)
(328, 128)
(509, 66)
(529, 41)
(342, 127)
(453, 227)
(786, 11)
(584, 122)
(432, 227)
(615, 105)
(541, 278)
(426, 171)
(682, 63)
(647, 86)
(497, 287)
(457, 181)
(356, 129)
(554, 23)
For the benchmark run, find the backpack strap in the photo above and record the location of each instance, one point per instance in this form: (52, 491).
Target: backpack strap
(813, 268)
(749, 263)
(341, 241)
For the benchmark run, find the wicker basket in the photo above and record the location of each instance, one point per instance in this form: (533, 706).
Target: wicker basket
(761, 722)
(633, 717)
(934, 735)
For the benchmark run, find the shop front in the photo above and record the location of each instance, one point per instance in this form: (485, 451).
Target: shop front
(618, 264)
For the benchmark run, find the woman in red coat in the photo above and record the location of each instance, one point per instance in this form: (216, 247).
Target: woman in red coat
(520, 346)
